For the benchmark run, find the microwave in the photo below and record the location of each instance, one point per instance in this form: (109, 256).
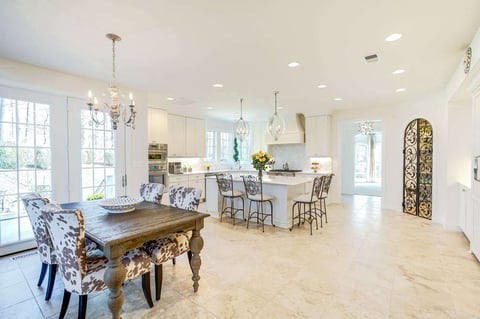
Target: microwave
(175, 168)
(157, 152)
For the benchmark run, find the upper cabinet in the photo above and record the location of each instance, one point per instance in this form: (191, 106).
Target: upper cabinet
(317, 136)
(186, 136)
(176, 135)
(195, 137)
(157, 126)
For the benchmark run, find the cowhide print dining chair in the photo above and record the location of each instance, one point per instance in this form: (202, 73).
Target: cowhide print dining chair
(83, 273)
(173, 245)
(33, 202)
(152, 192)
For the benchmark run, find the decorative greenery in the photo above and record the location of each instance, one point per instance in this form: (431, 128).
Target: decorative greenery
(235, 150)
(260, 160)
(95, 196)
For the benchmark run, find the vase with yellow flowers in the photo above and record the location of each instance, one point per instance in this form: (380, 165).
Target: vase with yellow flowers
(260, 161)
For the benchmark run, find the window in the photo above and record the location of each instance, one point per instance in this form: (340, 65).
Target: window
(368, 158)
(25, 163)
(220, 147)
(98, 158)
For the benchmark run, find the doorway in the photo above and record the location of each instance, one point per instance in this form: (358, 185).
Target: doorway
(418, 168)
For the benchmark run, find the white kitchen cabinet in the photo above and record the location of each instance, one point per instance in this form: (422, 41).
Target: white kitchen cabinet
(197, 181)
(176, 136)
(188, 180)
(195, 137)
(186, 136)
(157, 126)
(177, 180)
(317, 136)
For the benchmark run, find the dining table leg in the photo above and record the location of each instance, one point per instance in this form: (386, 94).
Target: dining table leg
(114, 277)
(196, 245)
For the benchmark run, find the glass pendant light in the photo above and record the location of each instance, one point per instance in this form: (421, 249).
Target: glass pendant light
(241, 127)
(275, 125)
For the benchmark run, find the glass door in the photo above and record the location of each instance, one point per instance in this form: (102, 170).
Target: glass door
(25, 161)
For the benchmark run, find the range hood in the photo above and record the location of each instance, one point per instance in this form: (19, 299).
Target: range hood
(294, 131)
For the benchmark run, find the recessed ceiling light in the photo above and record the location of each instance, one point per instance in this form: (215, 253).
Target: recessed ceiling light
(293, 64)
(321, 86)
(209, 108)
(338, 99)
(217, 85)
(399, 71)
(170, 98)
(280, 107)
(400, 90)
(393, 37)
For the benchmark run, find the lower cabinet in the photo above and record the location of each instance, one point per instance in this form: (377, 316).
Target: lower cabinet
(189, 180)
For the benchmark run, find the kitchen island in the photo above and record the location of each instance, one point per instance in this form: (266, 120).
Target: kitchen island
(284, 188)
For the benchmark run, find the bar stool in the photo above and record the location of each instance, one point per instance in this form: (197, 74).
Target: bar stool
(225, 188)
(254, 192)
(324, 194)
(309, 201)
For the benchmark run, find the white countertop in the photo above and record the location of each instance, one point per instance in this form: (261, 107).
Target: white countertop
(275, 180)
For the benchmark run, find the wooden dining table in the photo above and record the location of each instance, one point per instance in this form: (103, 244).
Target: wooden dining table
(116, 233)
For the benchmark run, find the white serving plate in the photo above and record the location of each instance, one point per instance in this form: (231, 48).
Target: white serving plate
(123, 204)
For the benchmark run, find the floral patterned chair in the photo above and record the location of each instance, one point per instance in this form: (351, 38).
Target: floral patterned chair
(83, 273)
(152, 192)
(254, 192)
(173, 245)
(33, 202)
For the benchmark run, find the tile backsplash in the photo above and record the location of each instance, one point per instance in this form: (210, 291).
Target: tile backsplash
(293, 154)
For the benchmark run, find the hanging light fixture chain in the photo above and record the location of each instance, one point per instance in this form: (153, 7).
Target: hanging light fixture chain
(241, 108)
(113, 62)
(276, 92)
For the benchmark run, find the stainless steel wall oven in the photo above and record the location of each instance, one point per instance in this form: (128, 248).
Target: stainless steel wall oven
(157, 164)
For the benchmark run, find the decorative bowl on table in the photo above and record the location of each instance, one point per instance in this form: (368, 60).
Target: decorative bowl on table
(122, 204)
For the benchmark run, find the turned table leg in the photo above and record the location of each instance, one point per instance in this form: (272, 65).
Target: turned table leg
(196, 245)
(114, 277)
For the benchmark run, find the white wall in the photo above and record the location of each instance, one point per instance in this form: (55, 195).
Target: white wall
(459, 157)
(394, 120)
(24, 76)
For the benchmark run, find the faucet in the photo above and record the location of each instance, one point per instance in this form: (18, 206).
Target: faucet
(285, 166)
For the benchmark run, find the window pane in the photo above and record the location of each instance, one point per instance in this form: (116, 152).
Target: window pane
(26, 135)
(42, 114)
(9, 113)
(26, 157)
(26, 181)
(8, 158)
(43, 136)
(26, 112)
(8, 134)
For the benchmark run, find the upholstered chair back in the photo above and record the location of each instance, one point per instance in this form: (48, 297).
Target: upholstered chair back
(33, 203)
(67, 229)
(187, 198)
(152, 192)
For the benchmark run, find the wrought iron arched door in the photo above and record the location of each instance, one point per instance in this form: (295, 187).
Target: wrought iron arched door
(418, 168)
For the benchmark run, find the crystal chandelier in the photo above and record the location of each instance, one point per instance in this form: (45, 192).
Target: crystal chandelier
(366, 128)
(241, 126)
(115, 108)
(275, 125)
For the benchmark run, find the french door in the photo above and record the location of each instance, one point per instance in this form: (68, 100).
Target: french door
(48, 144)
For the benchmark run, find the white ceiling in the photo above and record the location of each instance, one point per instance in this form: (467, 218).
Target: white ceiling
(179, 48)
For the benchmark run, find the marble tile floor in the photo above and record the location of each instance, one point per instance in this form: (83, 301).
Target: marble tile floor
(365, 263)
